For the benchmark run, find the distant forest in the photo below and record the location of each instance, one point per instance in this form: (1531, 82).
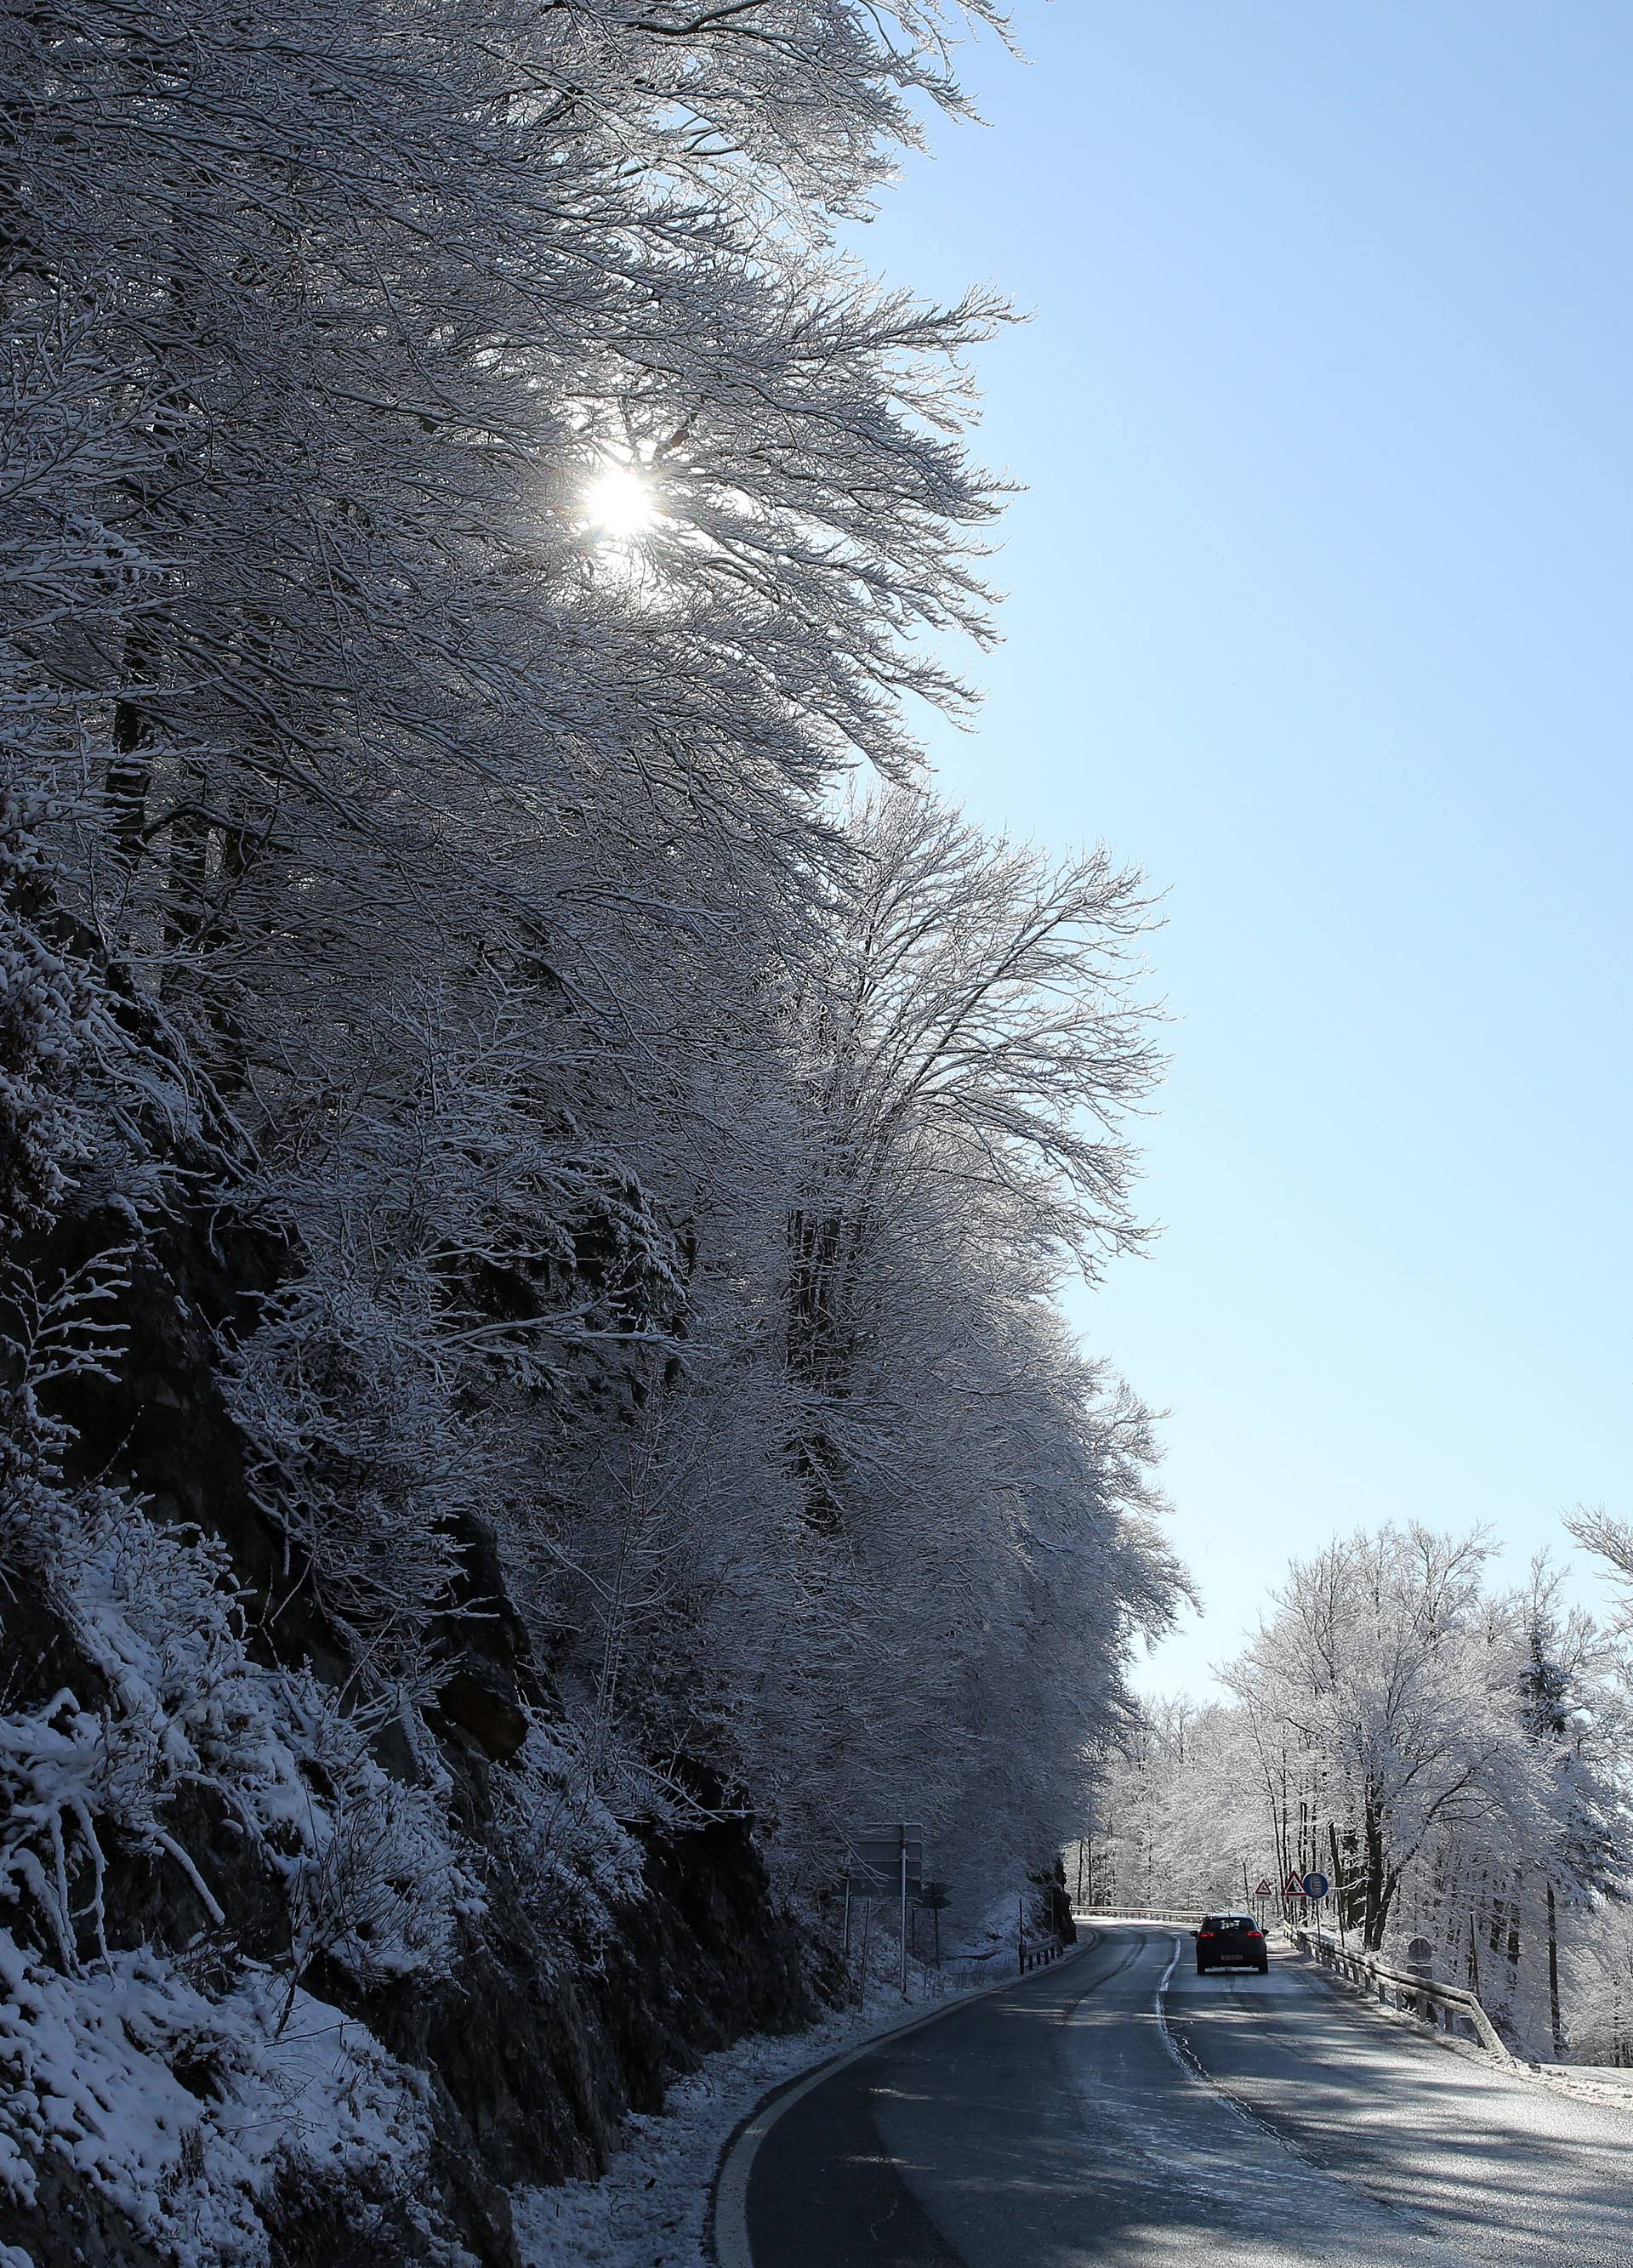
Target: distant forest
(1451, 1754)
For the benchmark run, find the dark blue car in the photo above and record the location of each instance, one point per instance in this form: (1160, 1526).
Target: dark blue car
(1231, 1941)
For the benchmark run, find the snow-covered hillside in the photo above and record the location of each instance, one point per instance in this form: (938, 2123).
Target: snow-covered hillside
(534, 1401)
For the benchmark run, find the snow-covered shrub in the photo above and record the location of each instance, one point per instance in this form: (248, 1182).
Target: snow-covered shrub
(573, 1863)
(372, 1868)
(380, 1887)
(359, 1453)
(185, 2111)
(373, 1872)
(47, 1008)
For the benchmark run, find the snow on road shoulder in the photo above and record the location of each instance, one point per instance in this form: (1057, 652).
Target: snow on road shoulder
(648, 2209)
(1604, 2084)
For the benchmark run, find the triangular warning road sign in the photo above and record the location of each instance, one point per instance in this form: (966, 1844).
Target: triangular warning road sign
(1292, 1887)
(1266, 1887)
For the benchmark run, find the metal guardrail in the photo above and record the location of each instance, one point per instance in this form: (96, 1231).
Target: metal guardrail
(1443, 2005)
(1184, 1917)
(1031, 1956)
(1035, 1956)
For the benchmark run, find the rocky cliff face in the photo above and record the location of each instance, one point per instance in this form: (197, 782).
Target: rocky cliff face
(288, 1976)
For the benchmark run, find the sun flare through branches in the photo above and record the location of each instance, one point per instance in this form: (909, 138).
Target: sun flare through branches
(619, 504)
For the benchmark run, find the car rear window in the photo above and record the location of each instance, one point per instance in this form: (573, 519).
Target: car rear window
(1230, 1921)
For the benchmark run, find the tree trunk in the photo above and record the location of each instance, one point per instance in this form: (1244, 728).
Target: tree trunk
(130, 771)
(1375, 1896)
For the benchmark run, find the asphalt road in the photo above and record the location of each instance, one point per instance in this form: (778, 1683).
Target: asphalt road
(1248, 2122)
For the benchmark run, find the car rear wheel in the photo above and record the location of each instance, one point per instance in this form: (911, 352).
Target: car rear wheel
(1264, 1966)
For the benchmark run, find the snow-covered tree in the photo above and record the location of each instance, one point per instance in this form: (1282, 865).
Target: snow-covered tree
(1378, 1665)
(465, 517)
(1452, 1756)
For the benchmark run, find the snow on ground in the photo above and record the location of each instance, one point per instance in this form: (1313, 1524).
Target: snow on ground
(648, 2209)
(1590, 2082)
(182, 2111)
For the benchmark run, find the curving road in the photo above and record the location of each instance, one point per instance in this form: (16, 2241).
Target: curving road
(1088, 2115)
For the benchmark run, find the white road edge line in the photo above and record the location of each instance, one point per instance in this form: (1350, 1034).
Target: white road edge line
(1193, 2069)
(726, 2231)
(1160, 2013)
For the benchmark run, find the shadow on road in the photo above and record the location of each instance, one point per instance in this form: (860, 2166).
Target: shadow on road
(1064, 2122)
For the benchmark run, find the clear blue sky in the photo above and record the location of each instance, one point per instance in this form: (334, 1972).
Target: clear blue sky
(1319, 610)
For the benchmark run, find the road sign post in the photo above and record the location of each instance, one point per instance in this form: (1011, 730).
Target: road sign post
(902, 1978)
(1315, 1887)
(933, 1897)
(888, 1861)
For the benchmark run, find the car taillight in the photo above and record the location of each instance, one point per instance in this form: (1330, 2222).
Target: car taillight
(1253, 1932)
(1205, 1932)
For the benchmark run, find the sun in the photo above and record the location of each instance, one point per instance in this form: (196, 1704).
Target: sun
(619, 504)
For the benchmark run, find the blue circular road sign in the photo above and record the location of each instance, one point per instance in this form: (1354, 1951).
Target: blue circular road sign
(1315, 1885)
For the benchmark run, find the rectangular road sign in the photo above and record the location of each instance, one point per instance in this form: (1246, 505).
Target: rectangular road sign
(874, 1855)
